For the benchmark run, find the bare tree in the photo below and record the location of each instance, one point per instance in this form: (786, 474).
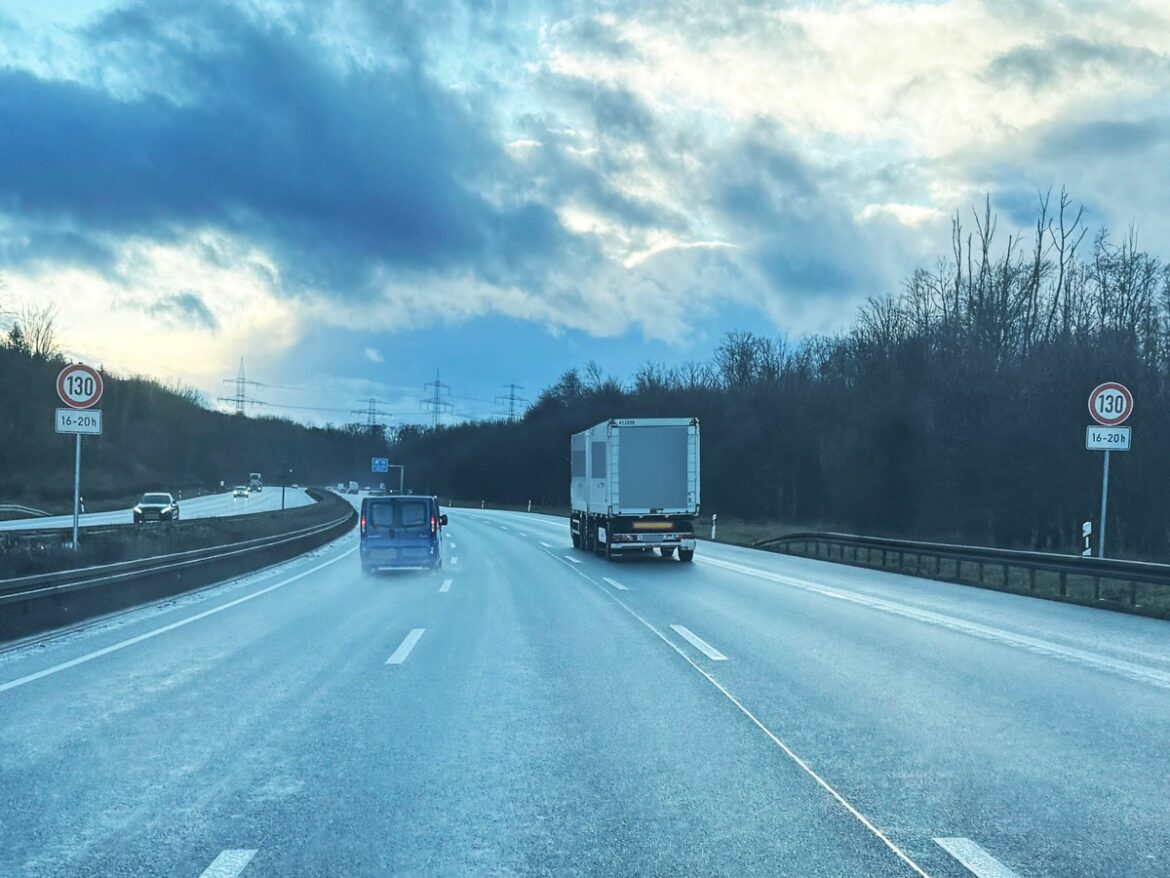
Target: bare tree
(34, 331)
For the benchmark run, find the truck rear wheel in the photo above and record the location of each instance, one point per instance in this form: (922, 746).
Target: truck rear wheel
(576, 541)
(686, 554)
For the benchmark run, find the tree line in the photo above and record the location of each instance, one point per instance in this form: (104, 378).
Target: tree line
(954, 409)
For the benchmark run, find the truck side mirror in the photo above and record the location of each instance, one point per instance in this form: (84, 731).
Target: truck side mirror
(443, 519)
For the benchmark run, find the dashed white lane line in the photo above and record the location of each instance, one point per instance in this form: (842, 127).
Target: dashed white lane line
(454, 560)
(758, 723)
(571, 558)
(546, 545)
(228, 864)
(446, 586)
(699, 643)
(400, 655)
(978, 861)
(521, 533)
(452, 544)
(88, 657)
(615, 584)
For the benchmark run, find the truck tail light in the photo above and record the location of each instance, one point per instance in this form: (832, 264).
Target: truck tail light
(432, 524)
(363, 524)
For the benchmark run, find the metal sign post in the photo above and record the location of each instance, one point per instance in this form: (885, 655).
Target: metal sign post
(80, 388)
(1110, 404)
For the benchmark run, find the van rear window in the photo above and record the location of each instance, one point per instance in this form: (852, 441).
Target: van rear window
(399, 513)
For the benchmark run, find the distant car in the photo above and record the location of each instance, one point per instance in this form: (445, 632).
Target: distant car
(240, 491)
(156, 507)
(401, 532)
(295, 485)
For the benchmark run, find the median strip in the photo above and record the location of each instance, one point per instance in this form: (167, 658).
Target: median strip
(403, 652)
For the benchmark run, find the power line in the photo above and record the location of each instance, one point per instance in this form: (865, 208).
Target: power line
(511, 399)
(240, 398)
(372, 412)
(437, 402)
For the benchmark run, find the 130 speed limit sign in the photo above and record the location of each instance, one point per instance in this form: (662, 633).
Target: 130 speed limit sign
(79, 386)
(1110, 403)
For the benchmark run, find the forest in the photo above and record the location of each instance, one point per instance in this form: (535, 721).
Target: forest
(954, 409)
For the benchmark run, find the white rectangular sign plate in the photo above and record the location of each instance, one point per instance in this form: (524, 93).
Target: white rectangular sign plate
(87, 421)
(1098, 438)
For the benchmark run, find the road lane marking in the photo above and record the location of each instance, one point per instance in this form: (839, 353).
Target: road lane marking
(454, 560)
(228, 864)
(978, 861)
(546, 545)
(1141, 673)
(400, 655)
(742, 708)
(699, 643)
(521, 533)
(446, 586)
(88, 657)
(615, 584)
(571, 558)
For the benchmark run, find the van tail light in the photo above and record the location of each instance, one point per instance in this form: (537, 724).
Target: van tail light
(363, 524)
(432, 524)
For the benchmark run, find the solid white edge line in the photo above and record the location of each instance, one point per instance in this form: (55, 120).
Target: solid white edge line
(228, 864)
(446, 586)
(699, 643)
(615, 583)
(400, 655)
(572, 559)
(976, 860)
(804, 766)
(88, 657)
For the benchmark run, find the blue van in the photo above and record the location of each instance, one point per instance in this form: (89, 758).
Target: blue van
(404, 531)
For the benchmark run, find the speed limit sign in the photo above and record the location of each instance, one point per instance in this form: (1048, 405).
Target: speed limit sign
(1110, 404)
(79, 386)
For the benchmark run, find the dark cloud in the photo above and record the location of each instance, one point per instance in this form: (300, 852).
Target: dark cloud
(1053, 61)
(591, 35)
(1103, 137)
(247, 126)
(186, 308)
(804, 240)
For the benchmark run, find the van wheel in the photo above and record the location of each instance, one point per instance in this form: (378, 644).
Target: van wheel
(686, 554)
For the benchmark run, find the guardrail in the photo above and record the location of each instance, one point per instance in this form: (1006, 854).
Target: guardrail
(1129, 586)
(24, 510)
(32, 604)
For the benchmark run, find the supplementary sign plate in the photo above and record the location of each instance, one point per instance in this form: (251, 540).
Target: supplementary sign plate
(1106, 438)
(88, 421)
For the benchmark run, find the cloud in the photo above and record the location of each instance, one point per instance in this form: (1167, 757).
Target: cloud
(186, 308)
(374, 355)
(219, 118)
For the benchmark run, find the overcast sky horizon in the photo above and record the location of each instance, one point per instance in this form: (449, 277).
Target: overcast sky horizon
(352, 195)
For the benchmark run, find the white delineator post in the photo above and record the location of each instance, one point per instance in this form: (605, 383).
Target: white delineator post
(714, 517)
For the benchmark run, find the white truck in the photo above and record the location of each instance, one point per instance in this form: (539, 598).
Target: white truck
(634, 487)
(255, 483)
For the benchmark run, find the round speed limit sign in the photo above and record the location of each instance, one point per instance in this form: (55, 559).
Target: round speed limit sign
(79, 386)
(1110, 403)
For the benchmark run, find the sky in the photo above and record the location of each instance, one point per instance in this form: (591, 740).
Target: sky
(356, 197)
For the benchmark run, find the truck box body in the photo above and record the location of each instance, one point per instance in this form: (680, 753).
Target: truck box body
(637, 478)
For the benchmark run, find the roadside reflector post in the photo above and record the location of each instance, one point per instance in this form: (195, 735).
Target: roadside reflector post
(714, 518)
(529, 505)
(1086, 531)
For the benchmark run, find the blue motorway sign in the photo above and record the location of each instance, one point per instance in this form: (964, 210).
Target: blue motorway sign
(379, 464)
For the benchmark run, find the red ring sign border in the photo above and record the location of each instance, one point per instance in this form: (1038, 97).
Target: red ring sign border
(1121, 418)
(91, 401)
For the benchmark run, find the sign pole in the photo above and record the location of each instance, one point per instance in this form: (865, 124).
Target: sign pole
(76, 486)
(1104, 504)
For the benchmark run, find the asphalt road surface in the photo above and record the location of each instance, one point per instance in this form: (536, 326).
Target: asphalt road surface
(531, 710)
(210, 506)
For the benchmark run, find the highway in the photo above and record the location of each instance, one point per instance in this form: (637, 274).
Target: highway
(531, 710)
(209, 506)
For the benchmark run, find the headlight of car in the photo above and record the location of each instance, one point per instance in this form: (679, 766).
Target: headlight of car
(137, 510)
